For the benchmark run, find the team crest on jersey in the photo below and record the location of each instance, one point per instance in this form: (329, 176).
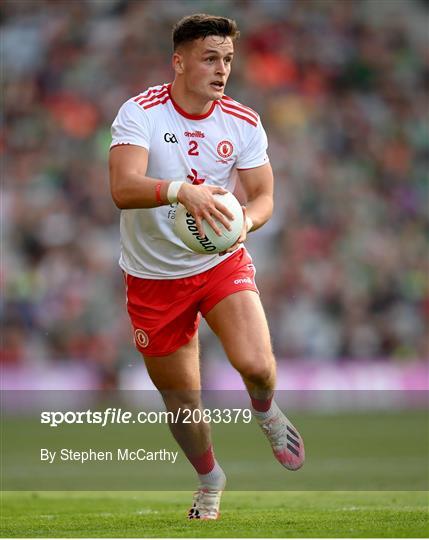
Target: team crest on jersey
(225, 149)
(141, 338)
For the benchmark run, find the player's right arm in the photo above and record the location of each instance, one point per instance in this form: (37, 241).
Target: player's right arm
(129, 185)
(131, 188)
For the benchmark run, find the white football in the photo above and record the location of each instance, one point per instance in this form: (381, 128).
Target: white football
(186, 229)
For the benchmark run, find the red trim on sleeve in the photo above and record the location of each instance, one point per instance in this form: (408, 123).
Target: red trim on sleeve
(228, 111)
(146, 94)
(233, 101)
(158, 95)
(238, 107)
(154, 103)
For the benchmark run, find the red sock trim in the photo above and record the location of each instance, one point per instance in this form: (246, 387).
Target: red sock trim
(204, 463)
(261, 405)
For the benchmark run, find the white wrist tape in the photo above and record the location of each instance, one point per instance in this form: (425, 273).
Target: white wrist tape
(249, 223)
(173, 190)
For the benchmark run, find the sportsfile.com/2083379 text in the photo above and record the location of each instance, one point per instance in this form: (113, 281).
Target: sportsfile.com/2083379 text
(112, 415)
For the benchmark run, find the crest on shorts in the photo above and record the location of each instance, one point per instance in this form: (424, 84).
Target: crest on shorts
(225, 149)
(141, 338)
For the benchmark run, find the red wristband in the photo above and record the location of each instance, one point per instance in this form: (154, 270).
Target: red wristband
(158, 192)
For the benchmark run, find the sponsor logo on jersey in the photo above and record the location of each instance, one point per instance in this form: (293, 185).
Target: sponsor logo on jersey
(141, 338)
(196, 134)
(243, 280)
(171, 138)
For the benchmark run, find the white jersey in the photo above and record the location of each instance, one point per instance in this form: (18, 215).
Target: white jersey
(197, 149)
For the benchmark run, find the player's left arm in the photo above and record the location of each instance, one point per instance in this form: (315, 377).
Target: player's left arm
(258, 185)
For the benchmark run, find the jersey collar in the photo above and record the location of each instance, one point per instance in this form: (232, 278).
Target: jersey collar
(187, 115)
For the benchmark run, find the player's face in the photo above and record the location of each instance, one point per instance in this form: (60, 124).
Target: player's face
(207, 65)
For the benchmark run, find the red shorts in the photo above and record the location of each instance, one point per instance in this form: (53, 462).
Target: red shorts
(165, 313)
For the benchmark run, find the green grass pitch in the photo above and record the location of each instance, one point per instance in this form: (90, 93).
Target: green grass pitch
(244, 514)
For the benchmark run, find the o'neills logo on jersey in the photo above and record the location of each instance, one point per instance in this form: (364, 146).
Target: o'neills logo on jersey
(141, 338)
(197, 134)
(225, 149)
(193, 229)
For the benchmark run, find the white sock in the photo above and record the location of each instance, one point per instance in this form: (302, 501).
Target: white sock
(262, 416)
(215, 479)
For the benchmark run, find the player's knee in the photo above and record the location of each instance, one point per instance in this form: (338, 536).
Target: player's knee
(258, 372)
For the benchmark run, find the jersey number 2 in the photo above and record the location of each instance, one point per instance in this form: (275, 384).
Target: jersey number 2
(193, 148)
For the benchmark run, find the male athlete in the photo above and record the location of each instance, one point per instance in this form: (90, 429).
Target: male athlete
(180, 142)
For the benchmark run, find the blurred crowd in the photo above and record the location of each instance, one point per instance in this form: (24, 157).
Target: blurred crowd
(342, 90)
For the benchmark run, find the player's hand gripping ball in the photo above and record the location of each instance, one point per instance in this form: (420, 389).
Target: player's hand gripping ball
(186, 228)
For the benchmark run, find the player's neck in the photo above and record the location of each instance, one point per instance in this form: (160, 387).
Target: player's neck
(189, 102)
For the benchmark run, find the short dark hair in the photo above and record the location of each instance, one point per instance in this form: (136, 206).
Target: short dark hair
(201, 25)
